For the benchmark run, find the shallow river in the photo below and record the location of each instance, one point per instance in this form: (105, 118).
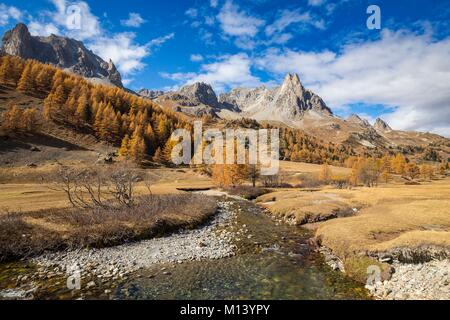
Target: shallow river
(275, 262)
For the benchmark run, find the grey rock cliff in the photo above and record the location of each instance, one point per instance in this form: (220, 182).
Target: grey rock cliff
(199, 93)
(354, 118)
(62, 52)
(151, 94)
(196, 99)
(289, 102)
(381, 126)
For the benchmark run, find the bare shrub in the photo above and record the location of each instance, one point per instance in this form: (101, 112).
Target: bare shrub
(150, 216)
(309, 181)
(96, 187)
(275, 181)
(20, 239)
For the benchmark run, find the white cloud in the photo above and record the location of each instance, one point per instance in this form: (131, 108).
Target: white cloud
(192, 13)
(121, 48)
(161, 40)
(290, 17)
(280, 38)
(226, 72)
(42, 29)
(8, 13)
(210, 20)
(89, 23)
(214, 3)
(235, 22)
(316, 3)
(178, 76)
(134, 20)
(196, 57)
(402, 70)
(122, 51)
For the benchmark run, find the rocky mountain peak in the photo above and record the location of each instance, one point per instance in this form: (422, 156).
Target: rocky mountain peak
(287, 103)
(200, 93)
(292, 84)
(62, 52)
(18, 40)
(358, 120)
(151, 94)
(381, 126)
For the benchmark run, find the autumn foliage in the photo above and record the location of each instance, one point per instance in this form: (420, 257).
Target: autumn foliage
(136, 125)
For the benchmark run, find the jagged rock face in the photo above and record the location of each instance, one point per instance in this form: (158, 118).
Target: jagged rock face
(62, 52)
(354, 118)
(197, 99)
(199, 93)
(381, 126)
(151, 94)
(286, 103)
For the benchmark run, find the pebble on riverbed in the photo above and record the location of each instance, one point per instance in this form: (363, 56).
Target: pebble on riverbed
(206, 242)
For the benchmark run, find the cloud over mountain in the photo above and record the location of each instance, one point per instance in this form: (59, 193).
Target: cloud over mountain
(402, 70)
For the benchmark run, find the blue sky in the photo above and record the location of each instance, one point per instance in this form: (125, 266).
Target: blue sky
(401, 72)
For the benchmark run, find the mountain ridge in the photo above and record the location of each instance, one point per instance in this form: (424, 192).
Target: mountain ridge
(65, 53)
(294, 106)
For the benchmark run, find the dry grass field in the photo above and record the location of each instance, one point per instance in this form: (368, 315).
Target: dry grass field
(410, 222)
(300, 207)
(35, 190)
(296, 168)
(393, 217)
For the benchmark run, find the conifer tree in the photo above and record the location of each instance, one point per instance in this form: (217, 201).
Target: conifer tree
(138, 148)
(25, 84)
(158, 157)
(125, 147)
(83, 110)
(6, 69)
(44, 80)
(29, 120)
(150, 138)
(12, 119)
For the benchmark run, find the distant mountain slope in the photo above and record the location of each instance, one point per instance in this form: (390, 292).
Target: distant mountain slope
(196, 99)
(62, 52)
(151, 94)
(287, 103)
(294, 106)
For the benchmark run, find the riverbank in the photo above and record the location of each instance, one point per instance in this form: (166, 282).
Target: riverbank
(422, 281)
(204, 242)
(240, 254)
(25, 235)
(392, 227)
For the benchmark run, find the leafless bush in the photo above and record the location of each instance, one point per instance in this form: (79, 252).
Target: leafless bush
(97, 187)
(309, 181)
(20, 239)
(150, 216)
(275, 181)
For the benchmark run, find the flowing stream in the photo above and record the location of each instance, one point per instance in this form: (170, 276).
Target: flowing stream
(273, 261)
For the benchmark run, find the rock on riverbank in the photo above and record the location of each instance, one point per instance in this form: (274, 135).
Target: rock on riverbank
(424, 281)
(116, 262)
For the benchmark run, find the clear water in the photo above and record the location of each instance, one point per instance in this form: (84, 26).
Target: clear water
(276, 263)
